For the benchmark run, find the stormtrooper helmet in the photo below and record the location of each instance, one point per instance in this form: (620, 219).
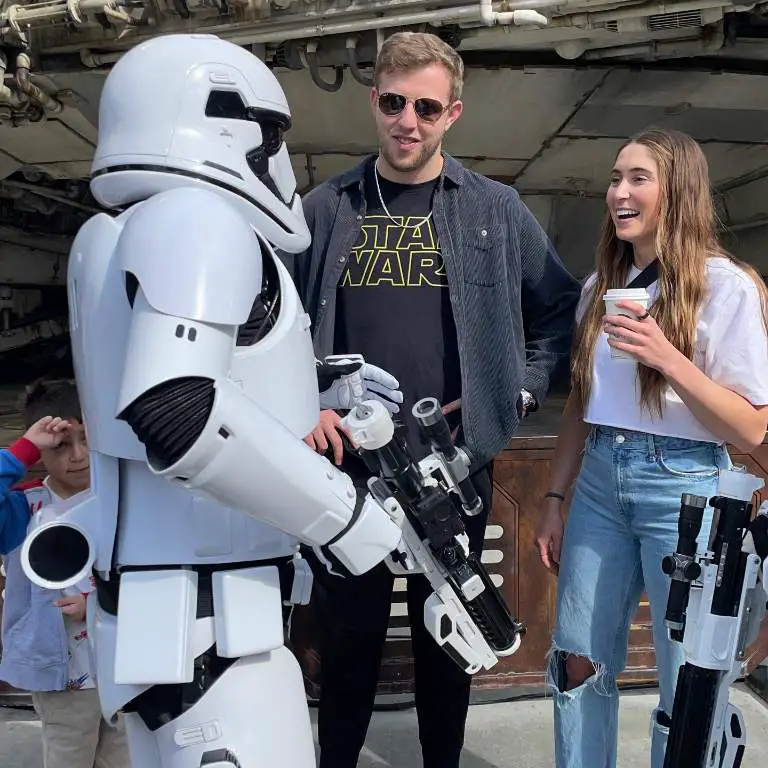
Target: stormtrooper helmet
(190, 110)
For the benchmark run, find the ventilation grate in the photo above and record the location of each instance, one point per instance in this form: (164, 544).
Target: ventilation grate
(663, 21)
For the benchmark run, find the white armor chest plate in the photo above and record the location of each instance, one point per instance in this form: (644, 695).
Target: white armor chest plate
(159, 522)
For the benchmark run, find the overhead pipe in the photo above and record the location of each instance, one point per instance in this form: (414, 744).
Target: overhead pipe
(597, 19)
(118, 16)
(519, 18)
(469, 12)
(7, 96)
(94, 60)
(436, 18)
(25, 90)
(30, 90)
(374, 6)
(282, 31)
(245, 33)
(366, 80)
(314, 70)
(19, 17)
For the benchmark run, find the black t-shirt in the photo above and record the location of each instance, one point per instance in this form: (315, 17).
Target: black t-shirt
(392, 300)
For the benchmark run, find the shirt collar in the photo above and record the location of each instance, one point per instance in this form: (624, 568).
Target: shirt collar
(453, 172)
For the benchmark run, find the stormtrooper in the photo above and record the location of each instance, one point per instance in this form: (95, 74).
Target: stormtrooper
(198, 381)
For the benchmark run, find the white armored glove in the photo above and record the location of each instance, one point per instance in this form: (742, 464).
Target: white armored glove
(340, 388)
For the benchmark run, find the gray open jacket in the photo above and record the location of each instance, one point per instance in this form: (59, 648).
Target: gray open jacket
(513, 300)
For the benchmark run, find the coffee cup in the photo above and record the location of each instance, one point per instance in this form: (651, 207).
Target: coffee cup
(613, 295)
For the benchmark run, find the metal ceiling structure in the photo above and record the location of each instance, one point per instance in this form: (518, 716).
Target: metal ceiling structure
(552, 88)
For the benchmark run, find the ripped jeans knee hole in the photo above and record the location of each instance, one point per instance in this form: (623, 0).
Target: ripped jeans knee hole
(565, 677)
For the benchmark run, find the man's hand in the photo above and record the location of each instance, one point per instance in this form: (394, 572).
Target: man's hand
(72, 606)
(327, 431)
(48, 432)
(454, 405)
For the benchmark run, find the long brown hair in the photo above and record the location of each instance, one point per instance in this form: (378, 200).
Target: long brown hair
(686, 236)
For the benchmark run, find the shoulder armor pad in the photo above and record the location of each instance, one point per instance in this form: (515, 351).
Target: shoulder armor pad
(194, 256)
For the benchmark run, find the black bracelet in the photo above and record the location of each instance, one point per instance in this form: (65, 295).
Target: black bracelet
(554, 495)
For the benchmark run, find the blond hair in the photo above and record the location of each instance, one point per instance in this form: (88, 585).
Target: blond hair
(408, 51)
(686, 236)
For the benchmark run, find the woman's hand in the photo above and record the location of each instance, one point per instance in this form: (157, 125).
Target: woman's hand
(549, 535)
(643, 339)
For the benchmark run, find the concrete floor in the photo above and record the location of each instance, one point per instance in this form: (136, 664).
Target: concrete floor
(501, 735)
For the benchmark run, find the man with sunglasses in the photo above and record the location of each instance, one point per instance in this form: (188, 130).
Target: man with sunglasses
(445, 279)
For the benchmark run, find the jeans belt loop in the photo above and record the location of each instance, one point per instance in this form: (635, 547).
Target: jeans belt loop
(652, 449)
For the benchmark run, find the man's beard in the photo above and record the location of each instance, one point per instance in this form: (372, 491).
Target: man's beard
(404, 165)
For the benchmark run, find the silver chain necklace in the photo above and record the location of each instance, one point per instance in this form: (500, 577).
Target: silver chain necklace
(386, 210)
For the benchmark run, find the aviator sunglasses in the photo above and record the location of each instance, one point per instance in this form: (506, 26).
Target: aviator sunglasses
(428, 110)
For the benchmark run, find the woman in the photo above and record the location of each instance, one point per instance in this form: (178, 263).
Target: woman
(640, 433)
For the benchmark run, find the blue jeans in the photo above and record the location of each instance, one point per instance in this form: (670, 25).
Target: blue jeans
(622, 522)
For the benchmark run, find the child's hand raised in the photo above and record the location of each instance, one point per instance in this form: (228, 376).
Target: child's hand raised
(72, 606)
(48, 432)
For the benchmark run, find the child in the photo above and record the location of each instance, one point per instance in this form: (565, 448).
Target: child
(45, 646)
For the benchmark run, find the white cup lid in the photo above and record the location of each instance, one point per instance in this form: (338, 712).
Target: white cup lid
(615, 294)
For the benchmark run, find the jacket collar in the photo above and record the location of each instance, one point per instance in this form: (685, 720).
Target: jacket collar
(453, 172)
